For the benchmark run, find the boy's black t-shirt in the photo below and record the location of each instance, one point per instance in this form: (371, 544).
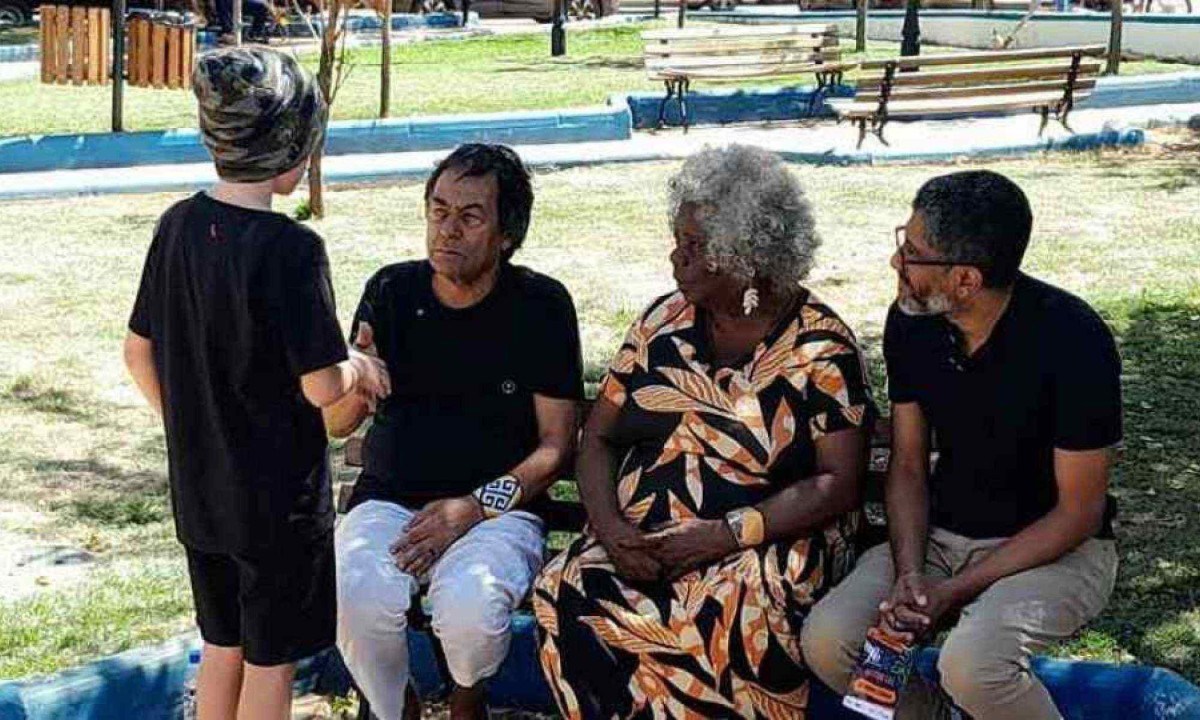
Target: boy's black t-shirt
(461, 410)
(239, 305)
(1048, 377)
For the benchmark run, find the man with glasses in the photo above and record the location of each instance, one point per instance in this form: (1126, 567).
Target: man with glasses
(1007, 543)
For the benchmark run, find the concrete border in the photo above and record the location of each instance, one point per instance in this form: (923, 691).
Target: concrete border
(19, 53)
(148, 683)
(722, 106)
(106, 150)
(614, 121)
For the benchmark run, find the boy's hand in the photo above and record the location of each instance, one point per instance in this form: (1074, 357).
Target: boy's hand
(373, 380)
(432, 530)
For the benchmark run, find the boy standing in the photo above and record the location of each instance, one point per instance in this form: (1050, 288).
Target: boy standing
(234, 340)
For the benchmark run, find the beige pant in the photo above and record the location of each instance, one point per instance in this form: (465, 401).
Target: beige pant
(984, 662)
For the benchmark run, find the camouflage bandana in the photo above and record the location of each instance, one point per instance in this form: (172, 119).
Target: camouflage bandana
(261, 114)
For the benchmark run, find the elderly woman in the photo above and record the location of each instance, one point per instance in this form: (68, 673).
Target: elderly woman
(720, 469)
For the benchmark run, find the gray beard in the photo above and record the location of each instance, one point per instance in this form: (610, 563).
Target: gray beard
(932, 305)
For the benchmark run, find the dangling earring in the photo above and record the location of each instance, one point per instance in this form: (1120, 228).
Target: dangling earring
(712, 267)
(749, 300)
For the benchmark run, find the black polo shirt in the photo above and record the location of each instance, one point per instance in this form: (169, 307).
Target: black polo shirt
(461, 410)
(238, 305)
(1048, 377)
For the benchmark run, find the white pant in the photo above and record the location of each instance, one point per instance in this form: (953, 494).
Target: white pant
(473, 590)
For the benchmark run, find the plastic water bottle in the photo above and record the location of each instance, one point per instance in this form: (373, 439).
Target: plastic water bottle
(189, 684)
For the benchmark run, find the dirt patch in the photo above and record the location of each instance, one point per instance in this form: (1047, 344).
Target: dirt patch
(28, 566)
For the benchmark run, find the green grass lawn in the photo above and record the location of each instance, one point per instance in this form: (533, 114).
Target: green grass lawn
(510, 72)
(84, 463)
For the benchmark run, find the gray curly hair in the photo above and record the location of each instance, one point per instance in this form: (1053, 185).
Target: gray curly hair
(757, 221)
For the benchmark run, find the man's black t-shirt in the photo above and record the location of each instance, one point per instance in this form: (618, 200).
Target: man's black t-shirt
(1047, 378)
(461, 410)
(238, 305)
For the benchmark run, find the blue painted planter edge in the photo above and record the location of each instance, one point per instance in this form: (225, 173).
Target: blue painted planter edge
(106, 150)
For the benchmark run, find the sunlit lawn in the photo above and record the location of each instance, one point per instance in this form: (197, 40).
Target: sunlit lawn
(83, 461)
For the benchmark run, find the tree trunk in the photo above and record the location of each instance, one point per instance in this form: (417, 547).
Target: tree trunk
(860, 27)
(1114, 38)
(385, 70)
(316, 188)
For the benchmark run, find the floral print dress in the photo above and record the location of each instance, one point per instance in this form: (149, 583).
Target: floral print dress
(700, 440)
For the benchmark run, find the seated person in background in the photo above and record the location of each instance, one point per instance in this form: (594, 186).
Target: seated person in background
(721, 468)
(257, 10)
(486, 375)
(1020, 382)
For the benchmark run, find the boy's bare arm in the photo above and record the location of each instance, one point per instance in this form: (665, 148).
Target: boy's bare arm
(139, 359)
(344, 416)
(360, 372)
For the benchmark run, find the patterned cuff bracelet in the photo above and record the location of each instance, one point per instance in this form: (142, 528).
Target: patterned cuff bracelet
(747, 526)
(499, 496)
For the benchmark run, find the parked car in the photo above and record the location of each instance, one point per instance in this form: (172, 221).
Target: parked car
(541, 10)
(16, 12)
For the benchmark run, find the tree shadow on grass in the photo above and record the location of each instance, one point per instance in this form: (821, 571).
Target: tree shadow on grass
(1158, 482)
(592, 63)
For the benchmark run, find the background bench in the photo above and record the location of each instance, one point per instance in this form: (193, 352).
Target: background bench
(730, 54)
(1044, 80)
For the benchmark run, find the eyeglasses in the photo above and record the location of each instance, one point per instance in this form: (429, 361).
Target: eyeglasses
(905, 260)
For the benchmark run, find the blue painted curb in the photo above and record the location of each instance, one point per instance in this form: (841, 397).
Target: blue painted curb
(1073, 143)
(142, 683)
(171, 147)
(148, 683)
(19, 53)
(400, 21)
(724, 106)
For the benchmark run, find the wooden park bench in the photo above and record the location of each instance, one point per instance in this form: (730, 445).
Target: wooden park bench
(1044, 80)
(731, 54)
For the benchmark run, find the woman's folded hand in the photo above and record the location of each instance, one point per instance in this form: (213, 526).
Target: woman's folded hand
(685, 545)
(630, 550)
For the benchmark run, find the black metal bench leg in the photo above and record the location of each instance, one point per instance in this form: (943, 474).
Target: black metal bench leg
(662, 107)
(879, 133)
(1045, 111)
(862, 133)
(683, 91)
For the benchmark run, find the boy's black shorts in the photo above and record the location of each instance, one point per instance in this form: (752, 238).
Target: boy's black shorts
(279, 607)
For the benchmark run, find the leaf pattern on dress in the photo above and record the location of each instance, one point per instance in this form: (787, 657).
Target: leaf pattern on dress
(627, 487)
(621, 638)
(643, 626)
(791, 705)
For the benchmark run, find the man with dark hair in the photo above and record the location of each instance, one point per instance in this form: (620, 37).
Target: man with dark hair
(1012, 531)
(486, 373)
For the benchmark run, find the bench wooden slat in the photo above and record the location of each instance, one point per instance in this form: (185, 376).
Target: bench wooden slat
(816, 43)
(918, 108)
(1082, 87)
(759, 71)
(762, 59)
(984, 75)
(737, 32)
(990, 56)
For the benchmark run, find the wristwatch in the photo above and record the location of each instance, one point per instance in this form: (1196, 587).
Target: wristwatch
(747, 526)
